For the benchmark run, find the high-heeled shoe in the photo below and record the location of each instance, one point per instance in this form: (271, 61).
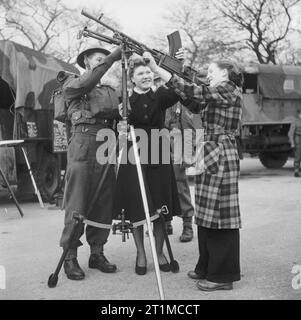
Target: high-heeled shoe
(165, 267)
(140, 270)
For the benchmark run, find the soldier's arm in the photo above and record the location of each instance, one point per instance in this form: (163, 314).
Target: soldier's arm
(80, 86)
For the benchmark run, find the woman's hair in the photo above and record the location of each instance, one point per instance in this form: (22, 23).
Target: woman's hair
(134, 63)
(234, 72)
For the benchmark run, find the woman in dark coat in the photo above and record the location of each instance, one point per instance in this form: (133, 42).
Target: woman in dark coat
(217, 212)
(147, 113)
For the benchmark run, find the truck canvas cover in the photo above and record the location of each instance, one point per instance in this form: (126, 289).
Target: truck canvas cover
(279, 82)
(31, 74)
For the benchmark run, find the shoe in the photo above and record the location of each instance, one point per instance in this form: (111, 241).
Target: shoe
(140, 270)
(187, 234)
(205, 285)
(100, 262)
(73, 270)
(165, 267)
(296, 174)
(169, 228)
(193, 275)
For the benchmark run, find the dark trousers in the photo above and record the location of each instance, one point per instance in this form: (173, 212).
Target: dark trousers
(297, 160)
(219, 255)
(184, 192)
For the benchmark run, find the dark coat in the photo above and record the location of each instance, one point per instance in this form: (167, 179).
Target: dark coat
(147, 113)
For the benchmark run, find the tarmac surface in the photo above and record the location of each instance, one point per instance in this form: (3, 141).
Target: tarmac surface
(270, 246)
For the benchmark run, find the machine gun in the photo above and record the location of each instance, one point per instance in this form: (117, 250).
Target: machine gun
(167, 62)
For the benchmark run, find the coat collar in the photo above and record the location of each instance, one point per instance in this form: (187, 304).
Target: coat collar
(150, 94)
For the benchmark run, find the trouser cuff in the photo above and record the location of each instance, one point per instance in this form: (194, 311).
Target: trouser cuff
(72, 253)
(187, 221)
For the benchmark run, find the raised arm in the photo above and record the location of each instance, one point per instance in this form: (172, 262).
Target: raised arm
(80, 86)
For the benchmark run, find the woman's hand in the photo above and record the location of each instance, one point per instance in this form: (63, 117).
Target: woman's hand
(149, 59)
(180, 54)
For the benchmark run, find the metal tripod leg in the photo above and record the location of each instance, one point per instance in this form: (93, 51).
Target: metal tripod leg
(53, 279)
(32, 179)
(12, 193)
(174, 266)
(146, 210)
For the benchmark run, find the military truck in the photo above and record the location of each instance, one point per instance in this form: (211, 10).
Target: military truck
(271, 97)
(27, 80)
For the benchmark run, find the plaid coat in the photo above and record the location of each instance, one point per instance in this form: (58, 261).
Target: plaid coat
(216, 191)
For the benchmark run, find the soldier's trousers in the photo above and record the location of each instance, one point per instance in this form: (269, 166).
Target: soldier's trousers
(297, 154)
(184, 192)
(84, 194)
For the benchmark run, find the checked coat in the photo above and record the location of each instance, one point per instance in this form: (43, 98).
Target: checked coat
(216, 190)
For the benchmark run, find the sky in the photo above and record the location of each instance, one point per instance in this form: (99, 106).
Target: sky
(137, 18)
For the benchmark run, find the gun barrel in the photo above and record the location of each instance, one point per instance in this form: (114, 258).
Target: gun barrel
(89, 33)
(88, 15)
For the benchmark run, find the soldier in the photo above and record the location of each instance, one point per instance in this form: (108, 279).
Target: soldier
(179, 118)
(91, 107)
(294, 135)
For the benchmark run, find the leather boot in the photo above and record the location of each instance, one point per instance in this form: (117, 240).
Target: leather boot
(187, 233)
(73, 270)
(100, 262)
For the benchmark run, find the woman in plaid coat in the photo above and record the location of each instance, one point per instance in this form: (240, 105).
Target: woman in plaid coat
(217, 212)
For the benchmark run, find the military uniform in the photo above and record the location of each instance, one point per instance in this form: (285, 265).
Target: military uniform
(295, 140)
(179, 118)
(91, 107)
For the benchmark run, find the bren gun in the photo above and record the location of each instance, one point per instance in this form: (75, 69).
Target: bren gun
(167, 62)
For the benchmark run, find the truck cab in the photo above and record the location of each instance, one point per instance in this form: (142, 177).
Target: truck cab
(271, 97)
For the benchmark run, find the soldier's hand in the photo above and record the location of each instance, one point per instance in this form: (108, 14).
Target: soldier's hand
(122, 127)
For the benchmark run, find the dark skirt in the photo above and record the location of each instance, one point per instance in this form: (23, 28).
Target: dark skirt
(161, 190)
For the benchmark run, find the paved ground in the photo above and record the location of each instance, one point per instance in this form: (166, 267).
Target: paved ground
(270, 246)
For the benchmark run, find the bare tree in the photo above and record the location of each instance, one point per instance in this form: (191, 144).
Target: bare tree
(40, 22)
(48, 26)
(205, 35)
(264, 25)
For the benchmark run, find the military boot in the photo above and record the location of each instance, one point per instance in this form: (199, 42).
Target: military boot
(71, 266)
(98, 261)
(187, 233)
(297, 169)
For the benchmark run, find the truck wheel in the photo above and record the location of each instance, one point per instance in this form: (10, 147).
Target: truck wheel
(273, 160)
(47, 176)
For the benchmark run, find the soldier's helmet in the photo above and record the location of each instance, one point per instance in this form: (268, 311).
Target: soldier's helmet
(81, 57)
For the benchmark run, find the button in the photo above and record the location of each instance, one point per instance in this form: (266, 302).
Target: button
(145, 105)
(146, 117)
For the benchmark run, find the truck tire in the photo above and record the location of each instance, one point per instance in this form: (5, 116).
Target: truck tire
(47, 176)
(273, 160)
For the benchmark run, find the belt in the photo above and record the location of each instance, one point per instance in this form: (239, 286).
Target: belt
(89, 128)
(106, 122)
